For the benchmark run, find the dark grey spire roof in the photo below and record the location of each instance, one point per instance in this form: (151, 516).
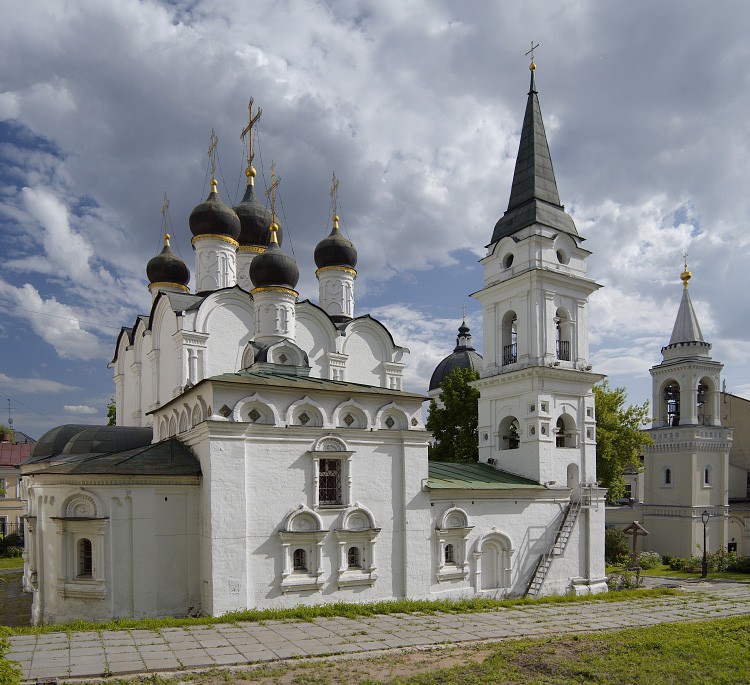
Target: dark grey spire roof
(686, 327)
(533, 195)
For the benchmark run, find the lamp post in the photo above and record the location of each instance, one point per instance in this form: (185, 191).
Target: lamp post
(704, 566)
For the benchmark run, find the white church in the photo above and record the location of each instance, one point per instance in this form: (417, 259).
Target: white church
(267, 456)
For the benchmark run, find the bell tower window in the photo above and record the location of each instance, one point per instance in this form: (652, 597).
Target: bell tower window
(672, 404)
(510, 338)
(564, 329)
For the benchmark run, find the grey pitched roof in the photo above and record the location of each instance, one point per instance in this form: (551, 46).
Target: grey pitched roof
(449, 475)
(169, 457)
(686, 327)
(533, 195)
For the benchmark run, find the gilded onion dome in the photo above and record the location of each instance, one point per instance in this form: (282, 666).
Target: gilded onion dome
(273, 267)
(254, 218)
(167, 267)
(335, 250)
(213, 217)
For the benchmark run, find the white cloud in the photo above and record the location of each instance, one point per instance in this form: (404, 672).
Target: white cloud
(79, 409)
(24, 386)
(54, 322)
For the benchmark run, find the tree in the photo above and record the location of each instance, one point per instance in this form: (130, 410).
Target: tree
(111, 412)
(454, 424)
(619, 437)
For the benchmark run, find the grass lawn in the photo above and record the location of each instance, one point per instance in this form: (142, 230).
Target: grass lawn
(13, 562)
(666, 572)
(308, 613)
(707, 653)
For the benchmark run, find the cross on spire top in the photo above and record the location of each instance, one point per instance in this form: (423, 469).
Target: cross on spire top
(532, 66)
(212, 156)
(334, 197)
(164, 220)
(271, 192)
(252, 119)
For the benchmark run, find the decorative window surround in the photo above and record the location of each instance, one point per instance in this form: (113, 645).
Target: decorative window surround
(453, 529)
(303, 529)
(71, 530)
(364, 541)
(332, 448)
(358, 531)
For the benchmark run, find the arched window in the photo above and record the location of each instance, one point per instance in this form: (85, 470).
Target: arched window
(565, 431)
(667, 476)
(510, 436)
(510, 338)
(450, 554)
(564, 334)
(672, 404)
(708, 476)
(85, 559)
(352, 558)
(299, 560)
(704, 401)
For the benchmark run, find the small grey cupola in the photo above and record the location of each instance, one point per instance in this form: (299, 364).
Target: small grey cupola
(464, 356)
(166, 271)
(533, 196)
(336, 259)
(215, 228)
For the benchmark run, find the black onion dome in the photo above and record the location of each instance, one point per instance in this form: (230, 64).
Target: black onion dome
(335, 250)
(213, 217)
(274, 268)
(463, 357)
(254, 221)
(167, 267)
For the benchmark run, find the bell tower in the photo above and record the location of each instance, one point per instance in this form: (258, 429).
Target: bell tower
(687, 466)
(536, 407)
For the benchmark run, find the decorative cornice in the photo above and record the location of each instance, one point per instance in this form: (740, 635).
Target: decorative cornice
(167, 284)
(251, 248)
(345, 269)
(274, 289)
(222, 238)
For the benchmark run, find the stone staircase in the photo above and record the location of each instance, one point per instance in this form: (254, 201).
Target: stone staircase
(557, 548)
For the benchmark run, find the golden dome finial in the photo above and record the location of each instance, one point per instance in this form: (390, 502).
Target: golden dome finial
(274, 228)
(532, 66)
(685, 276)
(336, 222)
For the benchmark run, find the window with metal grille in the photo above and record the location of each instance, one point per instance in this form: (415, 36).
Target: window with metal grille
(329, 483)
(299, 560)
(450, 554)
(85, 558)
(352, 557)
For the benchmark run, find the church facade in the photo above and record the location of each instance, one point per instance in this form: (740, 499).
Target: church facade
(267, 456)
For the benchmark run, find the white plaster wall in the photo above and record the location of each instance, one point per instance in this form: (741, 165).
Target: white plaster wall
(149, 549)
(316, 339)
(232, 328)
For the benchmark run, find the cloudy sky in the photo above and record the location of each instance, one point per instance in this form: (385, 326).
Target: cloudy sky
(105, 105)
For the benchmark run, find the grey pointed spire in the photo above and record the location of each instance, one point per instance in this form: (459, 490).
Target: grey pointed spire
(686, 328)
(533, 195)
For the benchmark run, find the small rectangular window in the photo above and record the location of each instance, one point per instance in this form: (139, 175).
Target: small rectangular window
(329, 484)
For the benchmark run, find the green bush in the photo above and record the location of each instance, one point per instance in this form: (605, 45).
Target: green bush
(647, 560)
(10, 552)
(624, 580)
(715, 562)
(615, 547)
(11, 540)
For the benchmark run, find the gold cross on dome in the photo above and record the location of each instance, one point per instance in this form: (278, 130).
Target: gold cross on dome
(685, 256)
(212, 153)
(164, 211)
(532, 66)
(334, 193)
(248, 130)
(271, 192)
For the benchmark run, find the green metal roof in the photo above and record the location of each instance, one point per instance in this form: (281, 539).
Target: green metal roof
(444, 475)
(169, 457)
(289, 380)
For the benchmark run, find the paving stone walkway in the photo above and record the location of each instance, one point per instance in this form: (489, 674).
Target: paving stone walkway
(89, 654)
